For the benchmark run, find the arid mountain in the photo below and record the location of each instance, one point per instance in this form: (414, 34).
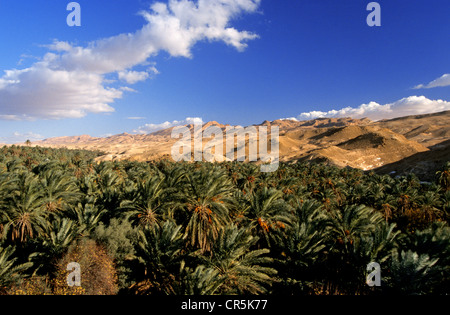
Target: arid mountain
(429, 129)
(287, 124)
(68, 140)
(423, 164)
(364, 147)
(413, 143)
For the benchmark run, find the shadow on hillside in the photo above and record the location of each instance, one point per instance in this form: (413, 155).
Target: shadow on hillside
(423, 164)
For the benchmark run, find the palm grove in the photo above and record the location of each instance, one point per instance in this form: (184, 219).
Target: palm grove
(203, 228)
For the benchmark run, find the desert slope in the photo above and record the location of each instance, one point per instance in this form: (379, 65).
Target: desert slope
(363, 147)
(428, 129)
(357, 143)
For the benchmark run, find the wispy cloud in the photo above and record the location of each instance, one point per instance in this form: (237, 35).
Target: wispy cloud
(413, 105)
(69, 81)
(136, 118)
(439, 82)
(132, 77)
(18, 137)
(149, 128)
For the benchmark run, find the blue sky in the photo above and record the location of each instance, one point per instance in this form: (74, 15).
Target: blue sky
(139, 65)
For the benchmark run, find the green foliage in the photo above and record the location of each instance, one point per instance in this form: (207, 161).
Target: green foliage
(411, 273)
(118, 238)
(201, 281)
(202, 228)
(241, 269)
(10, 271)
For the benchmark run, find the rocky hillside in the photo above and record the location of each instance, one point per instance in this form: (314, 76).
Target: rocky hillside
(414, 143)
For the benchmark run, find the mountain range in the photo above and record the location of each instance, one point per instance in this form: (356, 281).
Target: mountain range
(419, 143)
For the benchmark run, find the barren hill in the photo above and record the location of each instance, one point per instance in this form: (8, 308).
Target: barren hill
(358, 143)
(429, 129)
(364, 147)
(287, 124)
(423, 164)
(68, 140)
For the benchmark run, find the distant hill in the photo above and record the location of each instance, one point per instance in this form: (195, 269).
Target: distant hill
(429, 129)
(364, 147)
(423, 164)
(386, 146)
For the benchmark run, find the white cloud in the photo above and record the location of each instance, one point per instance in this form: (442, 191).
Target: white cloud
(59, 46)
(19, 138)
(439, 82)
(136, 118)
(127, 89)
(69, 81)
(176, 27)
(413, 105)
(43, 92)
(132, 77)
(149, 128)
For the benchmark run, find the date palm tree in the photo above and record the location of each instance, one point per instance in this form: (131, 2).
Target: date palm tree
(59, 190)
(25, 216)
(376, 247)
(6, 187)
(242, 269)
(411, 273)
(349, 229)
(199, 281)
(109, 189)
(445, 199)
(248, 178)
(310, 211)
(302, 250)
(10, 271)
(59, 236)
(159, 253)
(352, 222)
(147, 207)
(266, 212)
(444, 177)
(434, 241)
(87, 216)
(430, 203)
(206, 203)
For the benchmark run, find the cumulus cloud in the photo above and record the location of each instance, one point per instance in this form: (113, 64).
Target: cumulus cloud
(439, 82)
(413, 105)
(69, 81)
(43, 92)
(149, 128)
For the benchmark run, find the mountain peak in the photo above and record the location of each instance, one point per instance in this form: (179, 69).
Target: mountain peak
(212, 123)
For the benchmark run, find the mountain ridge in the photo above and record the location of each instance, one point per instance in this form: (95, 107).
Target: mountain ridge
(357, 143)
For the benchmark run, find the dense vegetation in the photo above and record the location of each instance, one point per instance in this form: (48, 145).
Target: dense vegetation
(202, 228)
